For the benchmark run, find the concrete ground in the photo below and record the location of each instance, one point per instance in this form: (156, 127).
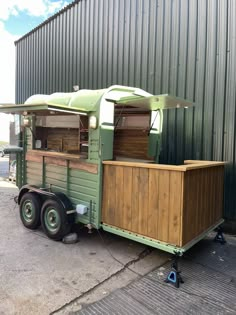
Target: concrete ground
(40, 276)
(209, 274)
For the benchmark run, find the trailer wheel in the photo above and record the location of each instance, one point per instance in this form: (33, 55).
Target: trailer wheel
(30, 207)
(54, 220)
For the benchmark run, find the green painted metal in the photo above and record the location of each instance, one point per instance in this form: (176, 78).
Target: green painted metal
(107, 138)
(52, 219)
(83, 188)
(22, 179)
(12, 149)
(154, 146)
(32, 108)
(18, 170)
(144, 240)
(87, 101)
(155, 102)
(94, 143)
(28, 211)
(82, 100)
(80, 186)
(158, 244)
(43, 172)
(56, 178)
(67, 177)
(34, 173)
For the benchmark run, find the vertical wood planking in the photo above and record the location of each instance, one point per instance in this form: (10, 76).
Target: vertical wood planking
(164, 195)
(153, 210)
(143, 201)
(175, 203)
(198, 201)
(112, 196)
(203, 200)
(193, 218)
(119, 192)
(109, 196)
(211, 202)
(127, 193)
(204, 195)
(219, 191)
(135, 199)
(105, 194)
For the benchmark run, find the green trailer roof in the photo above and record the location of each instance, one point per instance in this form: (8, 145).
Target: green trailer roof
(84, 101)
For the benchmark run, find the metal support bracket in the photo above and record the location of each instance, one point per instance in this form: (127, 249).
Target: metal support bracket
(219, 238)
(174, 276)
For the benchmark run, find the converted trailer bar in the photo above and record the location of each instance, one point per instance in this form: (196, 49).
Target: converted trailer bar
(92, 157)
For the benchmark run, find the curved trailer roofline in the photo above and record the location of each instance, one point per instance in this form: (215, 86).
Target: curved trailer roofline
(84, 101)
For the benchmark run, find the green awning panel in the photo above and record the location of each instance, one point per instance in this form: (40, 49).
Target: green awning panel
(40, 109)
(154, 102)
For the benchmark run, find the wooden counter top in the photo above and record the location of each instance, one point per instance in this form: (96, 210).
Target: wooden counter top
(73, 161)
(65, 156)
(188, 165)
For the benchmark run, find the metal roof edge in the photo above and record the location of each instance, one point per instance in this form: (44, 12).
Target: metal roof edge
(48, 20)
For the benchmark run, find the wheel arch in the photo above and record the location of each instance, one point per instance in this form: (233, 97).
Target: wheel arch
(58, 196)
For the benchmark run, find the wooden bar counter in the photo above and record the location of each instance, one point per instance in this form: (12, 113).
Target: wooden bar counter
(74, 161)
(167, 203)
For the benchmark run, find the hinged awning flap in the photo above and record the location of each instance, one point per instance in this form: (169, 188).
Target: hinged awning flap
(154, 102)
(40, 109)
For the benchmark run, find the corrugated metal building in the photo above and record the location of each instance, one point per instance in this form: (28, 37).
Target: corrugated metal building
(186, 48)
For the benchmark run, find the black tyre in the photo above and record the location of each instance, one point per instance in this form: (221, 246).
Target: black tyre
(30, 208)
(54, 220)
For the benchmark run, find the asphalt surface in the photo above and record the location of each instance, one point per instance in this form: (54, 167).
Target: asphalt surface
(41, 276)
(209, 273)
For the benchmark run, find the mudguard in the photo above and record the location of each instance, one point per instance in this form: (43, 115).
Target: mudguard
(45, 194)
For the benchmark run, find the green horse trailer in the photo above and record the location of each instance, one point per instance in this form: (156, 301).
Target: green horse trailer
(92, 157)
